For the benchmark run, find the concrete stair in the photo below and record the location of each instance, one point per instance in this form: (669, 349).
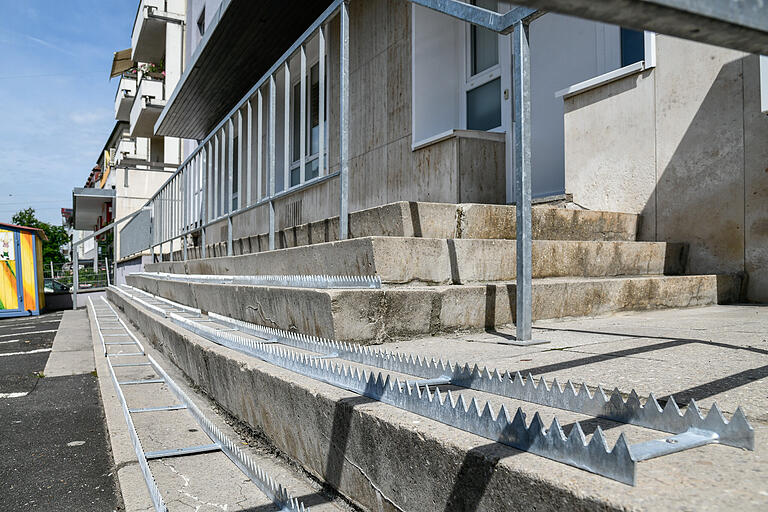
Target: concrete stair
(448, 268)
(441, 220)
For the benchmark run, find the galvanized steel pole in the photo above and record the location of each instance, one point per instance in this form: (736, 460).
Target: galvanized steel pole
(344, 121)
(75, 265)
(521, 77)
(272, 146)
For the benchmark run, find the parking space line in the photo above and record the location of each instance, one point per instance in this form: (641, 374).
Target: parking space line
(14, 395)
(26, 333)
(9, 341)
(36, 351)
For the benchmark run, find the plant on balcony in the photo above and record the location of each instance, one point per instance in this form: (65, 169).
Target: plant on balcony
(152, 70)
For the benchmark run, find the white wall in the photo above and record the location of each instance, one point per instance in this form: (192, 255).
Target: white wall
(435, 54)
(564, 51)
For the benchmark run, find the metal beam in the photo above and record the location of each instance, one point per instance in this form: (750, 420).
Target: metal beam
(741, 25)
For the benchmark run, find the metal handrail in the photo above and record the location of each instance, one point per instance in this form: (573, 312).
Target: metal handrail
(199, 220)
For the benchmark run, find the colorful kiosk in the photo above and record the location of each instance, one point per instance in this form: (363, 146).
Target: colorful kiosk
(21, 270)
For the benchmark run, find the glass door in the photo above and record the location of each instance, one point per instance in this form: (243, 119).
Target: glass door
(483, 78)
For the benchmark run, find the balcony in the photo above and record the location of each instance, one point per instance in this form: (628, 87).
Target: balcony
(148, 36)
(149, 102)
(126, 93)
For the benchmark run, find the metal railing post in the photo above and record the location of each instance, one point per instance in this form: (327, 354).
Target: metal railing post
(344, 121)
(231, 179)
(272, 147)
(521, 78)
(106, 269)
(75, 265)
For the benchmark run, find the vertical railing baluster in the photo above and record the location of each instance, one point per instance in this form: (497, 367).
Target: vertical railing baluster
(231, 166)
(344, 122)
(272, 162)
(223, 170)
(259, 128)
(321, 103)
(302, 115)
(249, 154)
(215, 160)
(287, 128)
(206, 205)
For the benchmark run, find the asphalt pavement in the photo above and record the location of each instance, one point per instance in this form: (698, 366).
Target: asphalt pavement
(54, 449)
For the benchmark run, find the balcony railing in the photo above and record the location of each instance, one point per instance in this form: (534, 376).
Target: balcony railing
(147, 105)
(271, 143)
(126, 92)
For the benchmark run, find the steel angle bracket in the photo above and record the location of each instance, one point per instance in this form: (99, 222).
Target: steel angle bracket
(154, 492)
(595, 456)
(295, 281)
(274, 491)
(648, 413)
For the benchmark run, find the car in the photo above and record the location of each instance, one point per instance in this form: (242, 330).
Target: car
(53, 286)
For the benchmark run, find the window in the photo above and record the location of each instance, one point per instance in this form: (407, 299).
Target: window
(632, 46)
(312, 149)
(483, 83)
(201, 23)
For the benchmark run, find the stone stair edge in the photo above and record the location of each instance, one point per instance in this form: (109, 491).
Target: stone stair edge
(373, 316)
(374, 429)
(382, 243)
(441, 220)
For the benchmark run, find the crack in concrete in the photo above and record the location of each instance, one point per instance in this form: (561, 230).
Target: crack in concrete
(362, 472)
(221, 506)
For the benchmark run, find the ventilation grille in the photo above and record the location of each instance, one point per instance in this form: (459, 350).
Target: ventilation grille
(292, 213)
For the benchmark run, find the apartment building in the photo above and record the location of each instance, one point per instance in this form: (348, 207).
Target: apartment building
(622, 120)
(134, 162)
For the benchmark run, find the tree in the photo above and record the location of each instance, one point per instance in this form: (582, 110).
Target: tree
(57, 235)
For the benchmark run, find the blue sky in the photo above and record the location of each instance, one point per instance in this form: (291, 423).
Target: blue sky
(56, 99)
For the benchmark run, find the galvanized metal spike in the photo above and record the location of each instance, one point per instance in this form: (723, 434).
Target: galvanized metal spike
(556, 430)
(599, 440)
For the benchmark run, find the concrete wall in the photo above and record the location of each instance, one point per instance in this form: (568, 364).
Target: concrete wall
(684, 145)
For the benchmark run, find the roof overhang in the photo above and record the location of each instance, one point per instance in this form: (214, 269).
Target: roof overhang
(37, 231)
(243, 40)
(87, 205)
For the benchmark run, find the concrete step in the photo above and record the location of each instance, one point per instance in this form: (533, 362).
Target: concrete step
(370, 316)
(398, 260)
(437, 220)
(386, 459)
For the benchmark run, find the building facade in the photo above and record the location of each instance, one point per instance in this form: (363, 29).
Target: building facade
(134, 162)
(621, 120)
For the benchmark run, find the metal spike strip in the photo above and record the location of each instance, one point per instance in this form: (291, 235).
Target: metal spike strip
(552, 443)
(154, 492)
(126, 290)
(736, 432)
(274, 491)
(295, 281)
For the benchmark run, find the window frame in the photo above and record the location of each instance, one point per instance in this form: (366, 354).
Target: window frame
(470, 82)
(296, 164)
(648, 62)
